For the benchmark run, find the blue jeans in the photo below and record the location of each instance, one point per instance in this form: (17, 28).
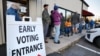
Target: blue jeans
(57, 33)
(68, 30)
(62, 31)
(91, 26)
(87, 26)
(80, 28)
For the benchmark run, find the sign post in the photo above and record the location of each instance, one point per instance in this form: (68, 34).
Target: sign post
(25, 38)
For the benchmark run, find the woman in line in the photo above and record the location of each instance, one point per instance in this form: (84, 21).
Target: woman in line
(57, 22)
(68, 27)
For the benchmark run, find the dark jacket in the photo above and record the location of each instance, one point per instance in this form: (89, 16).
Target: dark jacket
(75, 18)
(86, 21)
(92, 23)
(62, 22)
(52, 21)
(45, 16)
(12, 11)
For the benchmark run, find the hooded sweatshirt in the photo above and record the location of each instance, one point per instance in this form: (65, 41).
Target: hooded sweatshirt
(56, 16)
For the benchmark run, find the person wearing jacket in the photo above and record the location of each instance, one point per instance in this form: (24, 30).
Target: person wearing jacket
(13, 10)
(91, 24)
(75, 22)
(68, 27)
(57, 21)
(46, 21)
(62, 27)
(87, 24)
(51, 27)
(81, 24)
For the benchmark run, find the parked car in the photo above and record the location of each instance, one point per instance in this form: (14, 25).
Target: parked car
(93, 36)
(97, 25)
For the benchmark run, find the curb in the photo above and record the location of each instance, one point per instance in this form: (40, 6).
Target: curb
(67, 46)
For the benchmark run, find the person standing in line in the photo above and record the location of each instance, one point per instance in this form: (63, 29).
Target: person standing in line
(80, 26)
(75, 22)
(62, 27)
(46, 21)
(13, 10)
(83, 24)
(91, 24)
(68, 27)
(57, 21)
(51, 26)
(87, 24)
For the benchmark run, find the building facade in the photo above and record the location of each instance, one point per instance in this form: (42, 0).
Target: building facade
(34, 9)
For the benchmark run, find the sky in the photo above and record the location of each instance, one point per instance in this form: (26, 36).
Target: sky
(94, 6)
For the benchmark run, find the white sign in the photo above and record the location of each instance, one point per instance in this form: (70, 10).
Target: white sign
(25, 38)
(23, 9)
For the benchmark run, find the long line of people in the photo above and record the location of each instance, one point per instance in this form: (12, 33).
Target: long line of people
(62, 26)
(58, 22)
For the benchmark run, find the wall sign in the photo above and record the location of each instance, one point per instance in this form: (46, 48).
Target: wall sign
(25, 38)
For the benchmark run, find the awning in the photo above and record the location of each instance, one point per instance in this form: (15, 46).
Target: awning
(87, 13)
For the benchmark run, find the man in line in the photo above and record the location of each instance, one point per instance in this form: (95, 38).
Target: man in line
(51, 26)
(46, 21)
(75, 22)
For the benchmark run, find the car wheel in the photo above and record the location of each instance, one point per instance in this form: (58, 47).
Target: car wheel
(97, 42)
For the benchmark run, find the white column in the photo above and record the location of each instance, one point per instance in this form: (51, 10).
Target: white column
(2, 37)
(39, 8)
(32, 9)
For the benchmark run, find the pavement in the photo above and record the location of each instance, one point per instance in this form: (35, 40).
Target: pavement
(81, 48)
(66, 42)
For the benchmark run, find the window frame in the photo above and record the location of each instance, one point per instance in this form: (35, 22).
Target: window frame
(67, 10)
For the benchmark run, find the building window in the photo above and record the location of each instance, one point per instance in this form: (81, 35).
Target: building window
(62, 11)
(68, 14)
(24, 6)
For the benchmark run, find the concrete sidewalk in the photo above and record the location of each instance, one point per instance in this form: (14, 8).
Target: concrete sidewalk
(65, 43)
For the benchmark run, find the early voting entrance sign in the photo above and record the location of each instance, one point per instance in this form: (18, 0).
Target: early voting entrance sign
(25, 38)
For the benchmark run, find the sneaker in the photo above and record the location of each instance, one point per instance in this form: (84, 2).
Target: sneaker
(51, 37)
(57, 42)
(46, 41)
(76, 32)
(68, 35)
(65, 35)
(60, 36)
(71, 34)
